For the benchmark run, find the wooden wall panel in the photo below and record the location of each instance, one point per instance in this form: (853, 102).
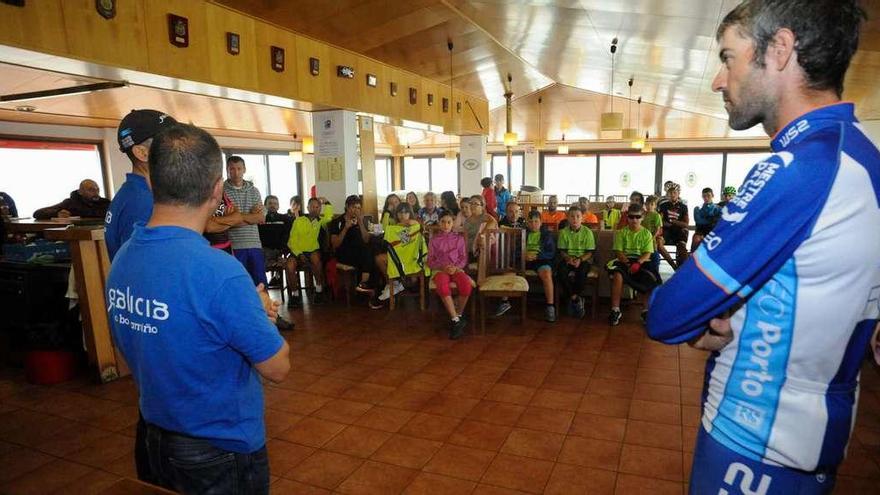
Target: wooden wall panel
(431, 113)
(191, 62)
(37, 26)
(343, 91)
(408, 110)
(315, 89)
(270, 81)
(120, 41)
(371, 100)
(238, 71)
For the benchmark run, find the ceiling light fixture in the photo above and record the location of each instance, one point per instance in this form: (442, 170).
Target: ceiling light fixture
(308, 144)
(630, 133)
(563, 148)
(647, 148)
(612, 121)
(510, 137)
(296, 155)
(450, 154)
(540, 142)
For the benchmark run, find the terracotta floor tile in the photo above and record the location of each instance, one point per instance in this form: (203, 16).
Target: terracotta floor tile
(694, 365)
(616, 407)
(93, 483)
(442, 366)
(72, 439)
(569, 479)
(409, 452)
(298, 402)
(375, 477)
(687, 461)
(124, 466)
(653, 434)
(460, 462)
(518, 473)
(574, 364)
(628, 484)
(21, 461)
(325, 469)
(47, 478)
(435, 484)
(543, 419)
(283, 456)
(554, 399)
(285, 486)
(564, 382)
(408, 399)
(342, 411)
(430, 426)
(658, 362)
(610, 387)
(513, 394)
(689, 437)
(526, 378)
(428, 382)
(385, 419)
(468, 387)
(390, 377)
(112, 448)
(500, 413)
(357, 441)
(657, 393)
(534, 364)
(598, 427)
(692, 379)
(658, 412)
(533, 444)
(658, 377)
(479, 435)
(651, 462)
(279, 421)
(483, 372)
(312, 432)
(495, 490)
(330, 386)
(590, 452)
(368, 392)
(449, 405)
(615, 371)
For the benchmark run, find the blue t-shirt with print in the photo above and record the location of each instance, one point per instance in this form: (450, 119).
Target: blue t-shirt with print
(191, 326)
(133, 203)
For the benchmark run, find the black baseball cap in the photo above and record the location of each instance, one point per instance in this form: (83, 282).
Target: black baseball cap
(140, 125)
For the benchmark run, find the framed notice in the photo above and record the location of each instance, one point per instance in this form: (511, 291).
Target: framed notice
(277, 54)
(233, 43)
(413, 96)
(178, 31)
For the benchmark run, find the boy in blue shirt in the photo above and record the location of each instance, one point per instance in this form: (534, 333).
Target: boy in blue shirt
(705, 217)
(133, 202)
(198, 342)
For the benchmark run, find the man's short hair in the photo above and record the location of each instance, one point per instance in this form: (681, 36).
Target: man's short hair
(634, 209)
(826, 32)
(234, 159)
(352, 200)
(575, 208)
(316, 200)
(708, 190)
(486, 181)
(271, 196)
(499, 177)
(185, 165)
(534, 214)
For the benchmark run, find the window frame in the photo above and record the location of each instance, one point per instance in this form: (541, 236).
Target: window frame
(266, 153)
(106, 174)
(430, 159)
(509, 174)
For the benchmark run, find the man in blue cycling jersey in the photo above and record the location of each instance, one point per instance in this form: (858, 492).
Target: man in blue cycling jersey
(787, 318)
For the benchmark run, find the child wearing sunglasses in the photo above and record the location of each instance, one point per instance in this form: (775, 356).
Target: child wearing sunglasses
(633, 247)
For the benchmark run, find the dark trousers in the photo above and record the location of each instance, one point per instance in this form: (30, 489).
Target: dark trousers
(573, 280)
(363, 260)
(193, 466)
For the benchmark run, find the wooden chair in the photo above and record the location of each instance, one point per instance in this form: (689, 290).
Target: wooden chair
(501, 269)
(346, 274)
(276, 270)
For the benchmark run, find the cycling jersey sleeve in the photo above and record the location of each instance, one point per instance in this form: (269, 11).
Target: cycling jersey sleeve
(758, 232)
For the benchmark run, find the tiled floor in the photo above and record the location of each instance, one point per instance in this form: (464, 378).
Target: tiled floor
(383, 403)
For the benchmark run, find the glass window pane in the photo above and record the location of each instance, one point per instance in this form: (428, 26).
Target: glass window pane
(36, 178)
(416, 175)
(499, 166)
(739, 164)
(255, 171)
(623, 174)
(282, 175)
(569, 174)
(693, 172)
(444, 175)
(515, 181)
(383, 176)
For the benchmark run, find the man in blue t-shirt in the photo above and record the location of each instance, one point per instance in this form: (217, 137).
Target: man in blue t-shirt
(133, 202)
(198, 342)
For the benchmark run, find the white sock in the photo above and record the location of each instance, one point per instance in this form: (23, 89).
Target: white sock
(456, 319)
(615, 308)
(319, 288)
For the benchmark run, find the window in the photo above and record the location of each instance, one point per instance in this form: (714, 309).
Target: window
(272, 172)
(435, 173)
(693, 172)
(738, 165)
(513, 174)
(623, 174)
(42, 173)
(565, 175)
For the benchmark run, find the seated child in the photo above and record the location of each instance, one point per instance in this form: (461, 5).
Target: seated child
(540, 253)
(447, 258)
(430, 214)
(705, 217)
(406, 250)
(590, 218)
(632, 248)
(653, 223)
(512, 216)
(305, 249)
(610, 215)
(576, 245)
(551, 216)
(392, 201)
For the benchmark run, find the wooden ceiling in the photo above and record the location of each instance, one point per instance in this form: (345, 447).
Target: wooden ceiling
(668, 48)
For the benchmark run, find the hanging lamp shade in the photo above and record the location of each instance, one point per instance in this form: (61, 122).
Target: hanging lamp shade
(637, 143)
(511, 139)
(308, 144)
(630, 134)
(563, 148)
(611, 121)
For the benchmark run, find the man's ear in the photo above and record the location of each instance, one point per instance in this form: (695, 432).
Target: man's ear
(781, 50)
(217, 193)
(142, 153)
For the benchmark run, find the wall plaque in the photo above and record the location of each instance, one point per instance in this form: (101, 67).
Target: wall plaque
(178, 31)
(277, 58)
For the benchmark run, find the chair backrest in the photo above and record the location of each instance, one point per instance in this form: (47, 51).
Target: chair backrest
(571, 198)
(603, 254)
(502, 251)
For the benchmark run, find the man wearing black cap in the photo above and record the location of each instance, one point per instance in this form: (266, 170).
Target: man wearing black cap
(134, 201)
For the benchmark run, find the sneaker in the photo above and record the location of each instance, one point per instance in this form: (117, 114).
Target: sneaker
(457, 329)
(645, 316)
(550, 313)
(283, 325)
(375, 303)
(294, 302)
(398, 287)
(503, 307)
(386, 293)
(614, 317)
(579, 311)
(363, 288)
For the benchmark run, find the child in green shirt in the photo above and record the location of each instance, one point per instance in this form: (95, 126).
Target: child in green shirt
(305, 249)
(610, 215)
(540, 252)
(633, 247)
(576, 245)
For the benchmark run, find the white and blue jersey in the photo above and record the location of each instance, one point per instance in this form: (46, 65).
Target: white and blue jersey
(795, 259)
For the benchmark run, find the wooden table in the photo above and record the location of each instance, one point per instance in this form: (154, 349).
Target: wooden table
(91, 266)
(32, 226)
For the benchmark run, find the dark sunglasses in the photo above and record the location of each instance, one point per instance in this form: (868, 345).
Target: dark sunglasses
(634, 217)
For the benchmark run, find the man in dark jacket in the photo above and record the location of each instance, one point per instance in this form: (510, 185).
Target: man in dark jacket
(84, 202)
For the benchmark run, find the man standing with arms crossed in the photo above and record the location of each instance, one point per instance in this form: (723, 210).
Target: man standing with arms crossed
(196, 342)
(788, 327)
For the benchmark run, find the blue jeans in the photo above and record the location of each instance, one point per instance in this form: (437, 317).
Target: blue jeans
(254, 262)
(193, 466)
